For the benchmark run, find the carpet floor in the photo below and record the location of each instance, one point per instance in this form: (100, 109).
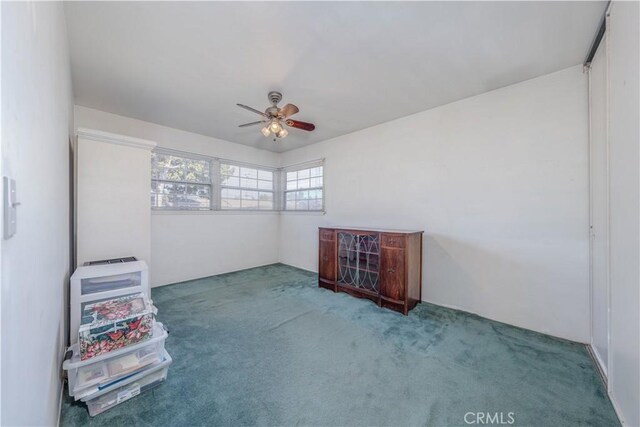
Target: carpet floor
(266, 346)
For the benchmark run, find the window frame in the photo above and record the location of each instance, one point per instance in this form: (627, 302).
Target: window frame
(296, 168)
(258, 169)
(189, 156)
(215, 183)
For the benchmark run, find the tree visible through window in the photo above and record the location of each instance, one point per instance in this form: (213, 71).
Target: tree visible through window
(180, 182)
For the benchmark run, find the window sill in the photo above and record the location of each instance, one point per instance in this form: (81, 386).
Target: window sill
(312, 213)
(235, 212)
(211, 212)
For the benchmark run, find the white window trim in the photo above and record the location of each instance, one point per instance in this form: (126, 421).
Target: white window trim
(279, 185)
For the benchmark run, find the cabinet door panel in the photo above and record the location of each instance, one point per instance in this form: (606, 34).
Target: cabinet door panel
(327, 235)
(327, 262)
(392, 273)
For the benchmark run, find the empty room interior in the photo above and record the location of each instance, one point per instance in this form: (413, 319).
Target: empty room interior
(320, 213)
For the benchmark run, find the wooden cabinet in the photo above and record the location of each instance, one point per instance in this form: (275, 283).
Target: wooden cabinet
(392, 274)
(327, 263)
(381, 265)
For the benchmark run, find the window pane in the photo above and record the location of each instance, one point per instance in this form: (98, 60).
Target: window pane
(174, 168)
(180, 196)
(265, 175)
(228, 193)
(304, 173)
(316, 171)
(231, 181)
(265, 196)
(315, 205)
(304, 183)
(248, 183)
(265, 185)
(302, 180)
(249, 173)
(249, 204)
(316, 182)
(249, 195)
(266, 200)
(229, 170)
(230, 203)
(266, 205)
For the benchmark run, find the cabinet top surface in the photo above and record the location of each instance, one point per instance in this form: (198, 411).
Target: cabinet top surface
(378, 230)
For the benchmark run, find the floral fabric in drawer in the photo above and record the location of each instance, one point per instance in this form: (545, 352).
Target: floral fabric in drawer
(115, 323)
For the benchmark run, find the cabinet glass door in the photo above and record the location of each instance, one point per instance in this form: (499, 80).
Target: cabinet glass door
(359, 260)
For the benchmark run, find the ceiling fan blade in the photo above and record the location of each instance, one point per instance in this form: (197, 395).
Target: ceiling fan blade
(288, 110)
(252, 109)
(301, 125)
(251, 124)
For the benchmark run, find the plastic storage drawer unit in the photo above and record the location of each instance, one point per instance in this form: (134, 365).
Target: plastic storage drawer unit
(100, 282)
(96, 374)
(112, 324)
(152, 378)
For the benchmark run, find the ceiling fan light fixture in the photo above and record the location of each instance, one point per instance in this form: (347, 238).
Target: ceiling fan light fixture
(283, 133)
(275, 126)
(265, 131)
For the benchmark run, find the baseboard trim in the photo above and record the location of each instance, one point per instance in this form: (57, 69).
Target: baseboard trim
(60, 398)
(453, 307)
(617, 409)
(600, 366)
(160, 285)
(60, 403)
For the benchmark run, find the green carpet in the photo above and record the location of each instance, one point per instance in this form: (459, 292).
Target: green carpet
(266, 346)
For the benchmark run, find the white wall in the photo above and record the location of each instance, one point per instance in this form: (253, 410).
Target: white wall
(191, 245)
(36, 115)
(498, 182)
(113, 214)
(624, 151)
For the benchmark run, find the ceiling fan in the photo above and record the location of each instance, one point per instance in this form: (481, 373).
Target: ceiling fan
(274, 118)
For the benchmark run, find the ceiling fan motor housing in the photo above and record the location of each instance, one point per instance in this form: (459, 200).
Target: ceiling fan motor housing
(272, 111)
(275, 97)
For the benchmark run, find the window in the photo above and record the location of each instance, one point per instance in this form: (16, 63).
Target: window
(180, 182)
(245, 187)
(303, 189)
(193, 182)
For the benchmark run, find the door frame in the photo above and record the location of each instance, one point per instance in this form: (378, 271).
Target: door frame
(606, 374)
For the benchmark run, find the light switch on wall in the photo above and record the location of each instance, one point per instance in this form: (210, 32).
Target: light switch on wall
(10, 203)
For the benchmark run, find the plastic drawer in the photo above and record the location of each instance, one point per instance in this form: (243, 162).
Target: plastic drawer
(123, 393)
(98, 373)
(92, 285)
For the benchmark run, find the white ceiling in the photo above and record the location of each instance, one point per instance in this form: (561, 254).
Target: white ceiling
(347, 65)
